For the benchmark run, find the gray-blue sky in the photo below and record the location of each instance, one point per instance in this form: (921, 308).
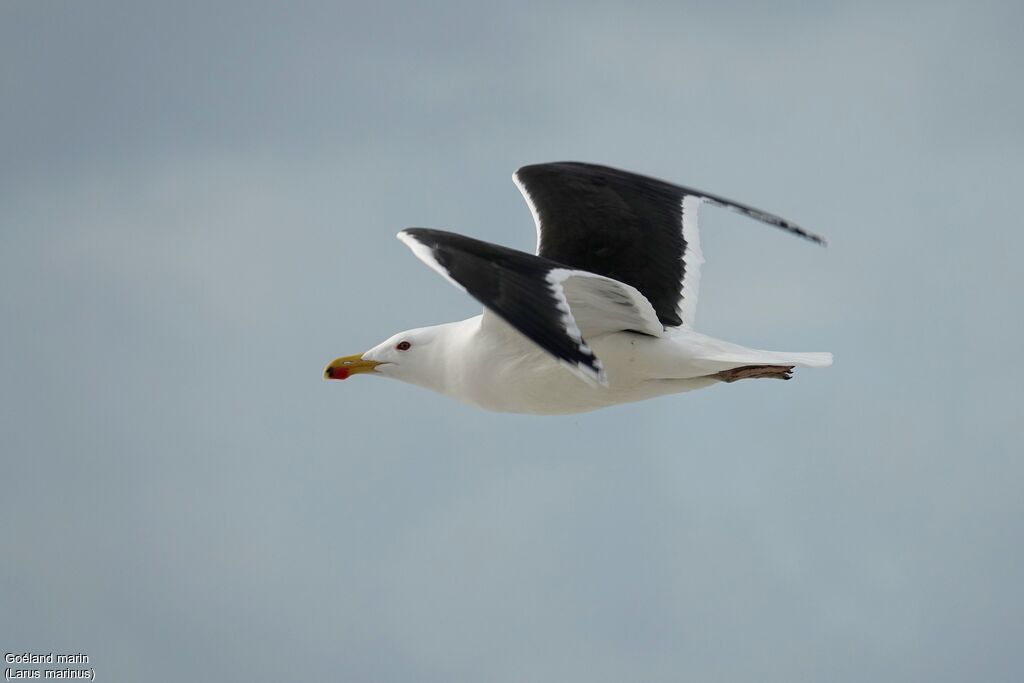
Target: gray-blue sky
(194, 199)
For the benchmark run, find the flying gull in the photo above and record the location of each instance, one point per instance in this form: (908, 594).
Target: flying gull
(602, 314)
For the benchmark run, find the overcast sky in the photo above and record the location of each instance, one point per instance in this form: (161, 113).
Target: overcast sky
(198, 204)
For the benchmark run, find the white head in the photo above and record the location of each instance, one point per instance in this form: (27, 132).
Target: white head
(413, 356)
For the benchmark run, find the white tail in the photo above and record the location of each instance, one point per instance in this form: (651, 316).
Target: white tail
(815, 359)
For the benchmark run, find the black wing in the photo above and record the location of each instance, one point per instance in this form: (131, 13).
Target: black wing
(628, 227)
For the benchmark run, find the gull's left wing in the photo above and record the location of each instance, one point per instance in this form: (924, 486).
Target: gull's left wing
(556, 307)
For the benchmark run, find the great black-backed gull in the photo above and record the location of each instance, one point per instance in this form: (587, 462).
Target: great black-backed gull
(602, 314)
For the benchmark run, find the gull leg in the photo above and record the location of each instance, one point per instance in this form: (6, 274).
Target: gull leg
(755, 372)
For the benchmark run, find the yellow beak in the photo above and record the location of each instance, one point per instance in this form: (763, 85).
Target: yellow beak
(341, 368)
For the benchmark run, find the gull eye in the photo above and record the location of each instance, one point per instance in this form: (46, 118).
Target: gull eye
(403, 346)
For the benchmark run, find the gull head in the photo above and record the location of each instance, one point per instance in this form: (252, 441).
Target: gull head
(411, 356)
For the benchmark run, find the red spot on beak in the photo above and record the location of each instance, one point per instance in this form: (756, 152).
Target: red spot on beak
(337, 373)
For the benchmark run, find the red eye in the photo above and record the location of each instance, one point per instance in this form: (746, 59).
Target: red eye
(403, 346)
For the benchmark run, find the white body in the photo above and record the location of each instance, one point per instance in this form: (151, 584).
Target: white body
(483, 361)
